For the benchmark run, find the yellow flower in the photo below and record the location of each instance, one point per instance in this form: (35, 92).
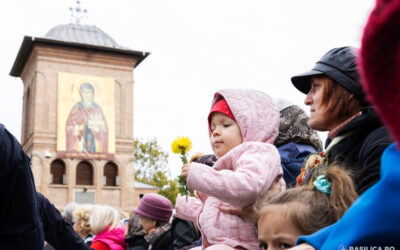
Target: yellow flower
(181, 145)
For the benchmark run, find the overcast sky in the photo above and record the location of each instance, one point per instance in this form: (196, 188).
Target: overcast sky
(197, 48)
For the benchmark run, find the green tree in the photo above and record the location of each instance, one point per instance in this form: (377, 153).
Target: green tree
(151, 168)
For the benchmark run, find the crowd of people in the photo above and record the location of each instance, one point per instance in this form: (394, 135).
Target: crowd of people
(269, 184)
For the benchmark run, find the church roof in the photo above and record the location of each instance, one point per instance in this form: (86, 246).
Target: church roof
(73, 35)
(86, 34)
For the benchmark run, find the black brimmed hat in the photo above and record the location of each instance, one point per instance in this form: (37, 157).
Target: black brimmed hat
(339, 64)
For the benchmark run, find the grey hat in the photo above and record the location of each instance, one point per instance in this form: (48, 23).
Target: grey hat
(339, 64)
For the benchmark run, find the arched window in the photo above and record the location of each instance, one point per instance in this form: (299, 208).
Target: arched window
(110, 177)
(57, 172)
(84, 173)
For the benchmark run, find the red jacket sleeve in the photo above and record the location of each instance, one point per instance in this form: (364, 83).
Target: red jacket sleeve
(98, 245)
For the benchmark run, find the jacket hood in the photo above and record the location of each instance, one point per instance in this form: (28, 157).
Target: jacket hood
(254, 111)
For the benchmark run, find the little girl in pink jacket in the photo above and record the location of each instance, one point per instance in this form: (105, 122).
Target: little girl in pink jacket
(243, 125)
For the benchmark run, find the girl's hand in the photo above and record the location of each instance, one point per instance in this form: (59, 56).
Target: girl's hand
(185, 170)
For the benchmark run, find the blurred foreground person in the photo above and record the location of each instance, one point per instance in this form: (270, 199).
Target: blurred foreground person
(21, 226)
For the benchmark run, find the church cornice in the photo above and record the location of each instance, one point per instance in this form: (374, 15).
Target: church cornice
(28, 44)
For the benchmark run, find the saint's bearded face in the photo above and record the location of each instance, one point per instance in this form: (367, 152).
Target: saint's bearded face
(87, 97)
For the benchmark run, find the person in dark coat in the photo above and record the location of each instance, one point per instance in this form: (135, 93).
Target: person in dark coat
(356, 137)
(20, 227)
(373, 221)
(57, 231)
(296, 140)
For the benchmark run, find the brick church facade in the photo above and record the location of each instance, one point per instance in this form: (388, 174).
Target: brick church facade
(54, 70)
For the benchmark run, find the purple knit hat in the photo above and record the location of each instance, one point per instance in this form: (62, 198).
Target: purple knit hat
(154, 206)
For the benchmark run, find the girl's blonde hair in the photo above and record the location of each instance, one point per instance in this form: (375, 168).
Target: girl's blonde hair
(103, 216)
(82, 216)
(310, 209)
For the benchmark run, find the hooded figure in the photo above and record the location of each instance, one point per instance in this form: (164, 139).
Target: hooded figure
(296, 140)
(239, 176)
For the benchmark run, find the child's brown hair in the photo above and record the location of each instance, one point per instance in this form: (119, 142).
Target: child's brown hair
(310, 209)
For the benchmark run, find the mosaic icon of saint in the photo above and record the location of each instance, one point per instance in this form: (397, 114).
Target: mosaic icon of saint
(86, 127)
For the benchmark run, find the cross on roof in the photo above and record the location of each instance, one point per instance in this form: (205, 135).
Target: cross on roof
(77, 12)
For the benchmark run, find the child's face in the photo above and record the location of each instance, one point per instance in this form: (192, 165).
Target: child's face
(225, 134)
(276, 231)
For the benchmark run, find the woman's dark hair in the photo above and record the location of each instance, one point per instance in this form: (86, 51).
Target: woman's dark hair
(310, 209)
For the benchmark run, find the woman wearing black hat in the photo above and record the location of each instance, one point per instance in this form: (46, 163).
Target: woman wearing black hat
(356, 136)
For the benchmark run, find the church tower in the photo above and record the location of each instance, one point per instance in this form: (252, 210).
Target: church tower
(77, 124)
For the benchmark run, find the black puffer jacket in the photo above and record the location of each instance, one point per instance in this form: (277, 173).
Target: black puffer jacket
(361, 151)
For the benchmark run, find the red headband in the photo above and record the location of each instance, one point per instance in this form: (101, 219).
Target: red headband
(222, 107)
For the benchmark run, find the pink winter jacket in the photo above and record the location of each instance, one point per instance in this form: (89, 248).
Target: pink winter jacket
(114, 239)
(237, 178)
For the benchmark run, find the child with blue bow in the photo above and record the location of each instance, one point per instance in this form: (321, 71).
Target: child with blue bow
(303, 210)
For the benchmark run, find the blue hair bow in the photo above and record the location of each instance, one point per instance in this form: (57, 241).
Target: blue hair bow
(322, 184)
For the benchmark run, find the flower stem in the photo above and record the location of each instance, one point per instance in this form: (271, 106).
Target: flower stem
(182, 181)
